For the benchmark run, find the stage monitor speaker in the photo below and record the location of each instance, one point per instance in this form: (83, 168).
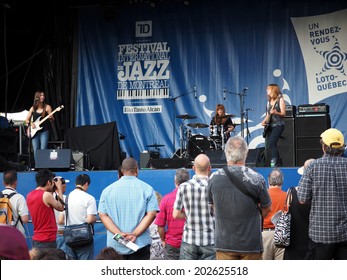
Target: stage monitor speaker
(308, 130)
(255, 157)
(167, 163)
(217, 158)
(80, 161)
(286, 143)
(59, 159)
(145, 157)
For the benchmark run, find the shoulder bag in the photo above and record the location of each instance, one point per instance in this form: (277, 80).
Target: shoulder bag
(77, 235)
(240, 185)
(282, 226)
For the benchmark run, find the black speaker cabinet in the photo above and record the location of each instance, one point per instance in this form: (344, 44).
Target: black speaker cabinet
(59, 159)
(308, 130)
(8, 143)
(217, 158)
(167, 163)
(286, 143)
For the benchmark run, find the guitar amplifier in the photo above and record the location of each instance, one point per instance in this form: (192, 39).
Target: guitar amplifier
(320, 108)
(290, 111)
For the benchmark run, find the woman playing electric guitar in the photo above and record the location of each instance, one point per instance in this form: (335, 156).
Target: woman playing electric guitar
(40, 109)
(274, 122)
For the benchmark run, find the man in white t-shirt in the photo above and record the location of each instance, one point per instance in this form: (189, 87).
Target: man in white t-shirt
(81, 209)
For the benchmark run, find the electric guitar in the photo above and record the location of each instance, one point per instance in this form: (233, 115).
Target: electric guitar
(32, 130)
(268, 119)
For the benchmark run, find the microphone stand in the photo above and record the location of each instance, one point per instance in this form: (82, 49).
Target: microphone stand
(247, 129)
(29, 145)
(241, 94)
(174, 115)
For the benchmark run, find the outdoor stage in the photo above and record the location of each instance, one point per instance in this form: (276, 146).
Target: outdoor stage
(160, 180)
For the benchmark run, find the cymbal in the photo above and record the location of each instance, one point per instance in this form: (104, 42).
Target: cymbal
(197, 125)
(226, 116)
(155, 145)
(186, 116)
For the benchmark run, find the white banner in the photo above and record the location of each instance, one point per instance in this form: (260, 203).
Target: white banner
(172, 270)
(323, 42)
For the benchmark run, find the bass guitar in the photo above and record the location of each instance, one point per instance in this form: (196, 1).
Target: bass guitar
(32, 130)
(268, 119)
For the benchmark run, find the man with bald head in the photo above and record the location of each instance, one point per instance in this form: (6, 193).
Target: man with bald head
(191, 203)
(128, 207)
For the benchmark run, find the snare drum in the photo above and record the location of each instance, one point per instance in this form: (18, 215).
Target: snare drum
(198, 144)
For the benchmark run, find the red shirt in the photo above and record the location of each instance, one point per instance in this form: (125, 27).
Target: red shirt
(174, 230)
(43, 219)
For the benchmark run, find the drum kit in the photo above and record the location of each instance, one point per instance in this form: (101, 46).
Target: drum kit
(193, 144)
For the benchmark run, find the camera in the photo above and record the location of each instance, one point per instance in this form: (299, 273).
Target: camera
(62, 180)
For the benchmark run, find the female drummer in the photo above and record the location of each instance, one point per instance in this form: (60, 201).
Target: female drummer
(221, 121)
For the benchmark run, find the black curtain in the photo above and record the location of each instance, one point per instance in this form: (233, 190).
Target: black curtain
(60, 77)
(100, 142)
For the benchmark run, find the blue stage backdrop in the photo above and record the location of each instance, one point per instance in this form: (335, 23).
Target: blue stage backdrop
(144, 66)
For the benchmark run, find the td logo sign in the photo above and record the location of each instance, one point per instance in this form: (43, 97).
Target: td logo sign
(143, 29)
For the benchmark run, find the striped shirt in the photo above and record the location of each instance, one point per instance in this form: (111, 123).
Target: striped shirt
(192, 199)
(324, 183)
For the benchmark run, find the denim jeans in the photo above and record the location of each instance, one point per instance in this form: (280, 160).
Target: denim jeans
(39, 244)
(194, 252)
(82, 253)
(61, 242)
(272, 139)
(171, 253)
(40, 141)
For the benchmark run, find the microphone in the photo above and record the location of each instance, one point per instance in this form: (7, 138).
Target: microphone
(195, 92)
(246, 88)
(249, 109)
(224, 93)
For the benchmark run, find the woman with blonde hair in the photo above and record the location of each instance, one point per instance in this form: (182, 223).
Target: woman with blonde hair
(274, 122)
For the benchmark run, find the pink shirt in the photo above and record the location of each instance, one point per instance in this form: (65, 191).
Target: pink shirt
(174, 230)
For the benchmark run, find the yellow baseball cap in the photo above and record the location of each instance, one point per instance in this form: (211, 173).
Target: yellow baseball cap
(333, 137)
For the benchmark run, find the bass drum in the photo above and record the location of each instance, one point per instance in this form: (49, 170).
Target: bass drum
(198, 144)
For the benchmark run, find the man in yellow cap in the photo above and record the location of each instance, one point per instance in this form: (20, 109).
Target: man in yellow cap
(324, 183)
